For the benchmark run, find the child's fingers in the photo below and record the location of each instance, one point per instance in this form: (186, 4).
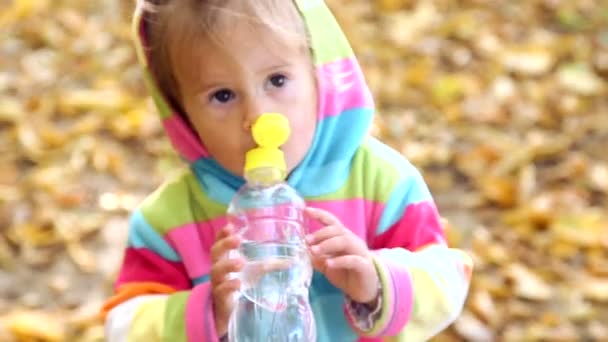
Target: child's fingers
(338, 244)
(220, 247)
(276, 265)
(221, 268)
(325, 233)
(226, 288)
(323, 216)
(355, 263)
(227, 230)
(319, 263)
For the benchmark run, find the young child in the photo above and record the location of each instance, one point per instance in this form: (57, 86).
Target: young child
(383, 271)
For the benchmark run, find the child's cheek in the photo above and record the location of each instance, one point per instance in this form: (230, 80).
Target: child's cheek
(290, 91)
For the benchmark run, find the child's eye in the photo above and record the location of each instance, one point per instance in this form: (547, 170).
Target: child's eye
(278, 80)
(222, 96)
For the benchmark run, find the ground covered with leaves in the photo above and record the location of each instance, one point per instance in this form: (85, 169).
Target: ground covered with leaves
(502, 104)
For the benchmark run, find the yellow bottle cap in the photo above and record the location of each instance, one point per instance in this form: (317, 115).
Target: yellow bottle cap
(270, 131)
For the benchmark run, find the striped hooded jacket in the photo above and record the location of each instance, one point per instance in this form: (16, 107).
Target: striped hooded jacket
(163, 291)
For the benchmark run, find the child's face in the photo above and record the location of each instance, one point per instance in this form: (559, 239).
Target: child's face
(225, 88)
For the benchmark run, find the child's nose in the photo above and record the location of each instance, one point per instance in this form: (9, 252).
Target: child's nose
(253, 110)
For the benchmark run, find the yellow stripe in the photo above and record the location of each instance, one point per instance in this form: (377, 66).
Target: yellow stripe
(148, 321)
(132, 290)
(431, 308)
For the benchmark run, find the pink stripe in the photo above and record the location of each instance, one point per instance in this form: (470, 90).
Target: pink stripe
(200, 325)
(356, 214)
(419, 226)
(342, 87)
(402, 297)
(183, 138)
(192, 240)
(143, 265)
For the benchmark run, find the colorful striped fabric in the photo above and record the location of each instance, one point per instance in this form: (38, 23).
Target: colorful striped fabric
(163, 289)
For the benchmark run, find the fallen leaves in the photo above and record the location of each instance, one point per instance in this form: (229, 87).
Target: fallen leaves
(33, 325)
(527, 284)
(502, 105)
(586, 229)
(72, 118)
(530, 61)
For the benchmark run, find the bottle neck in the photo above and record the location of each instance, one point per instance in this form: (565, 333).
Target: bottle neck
(264, 176)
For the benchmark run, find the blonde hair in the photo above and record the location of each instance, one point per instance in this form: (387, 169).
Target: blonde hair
(171, 23)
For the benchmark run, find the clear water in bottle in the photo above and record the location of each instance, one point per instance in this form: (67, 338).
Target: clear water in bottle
(268, 215)
(272, 266)
(273, 301)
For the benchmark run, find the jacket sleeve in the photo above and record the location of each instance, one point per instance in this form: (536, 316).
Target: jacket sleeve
(424, 282)
(155, 299)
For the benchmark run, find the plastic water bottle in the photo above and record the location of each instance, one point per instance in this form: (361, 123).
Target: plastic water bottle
(268, 214)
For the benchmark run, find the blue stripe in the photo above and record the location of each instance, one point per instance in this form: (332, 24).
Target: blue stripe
(321, 286)
(327, 303)
(218, 188)
(410, 189)
(324, 179)
(326, 166)
(330, 319)
(200, 280)
(331, 322)
(142, 235)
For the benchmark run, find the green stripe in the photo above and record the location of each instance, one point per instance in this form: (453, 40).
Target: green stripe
(137, 21)
(178, 202)
(371, 177)
(328, 41)
(175, 317)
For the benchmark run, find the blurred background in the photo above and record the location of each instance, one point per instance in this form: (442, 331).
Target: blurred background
(503, 105)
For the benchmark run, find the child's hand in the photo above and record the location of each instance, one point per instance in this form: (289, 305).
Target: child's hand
(222, 287)
(343, 258)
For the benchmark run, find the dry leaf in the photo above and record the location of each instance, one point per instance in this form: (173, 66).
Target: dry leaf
(527, 284)
(32, 325)
(500, 105)
(472, 329)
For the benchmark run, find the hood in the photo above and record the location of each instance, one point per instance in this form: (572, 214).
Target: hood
(345, 110)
